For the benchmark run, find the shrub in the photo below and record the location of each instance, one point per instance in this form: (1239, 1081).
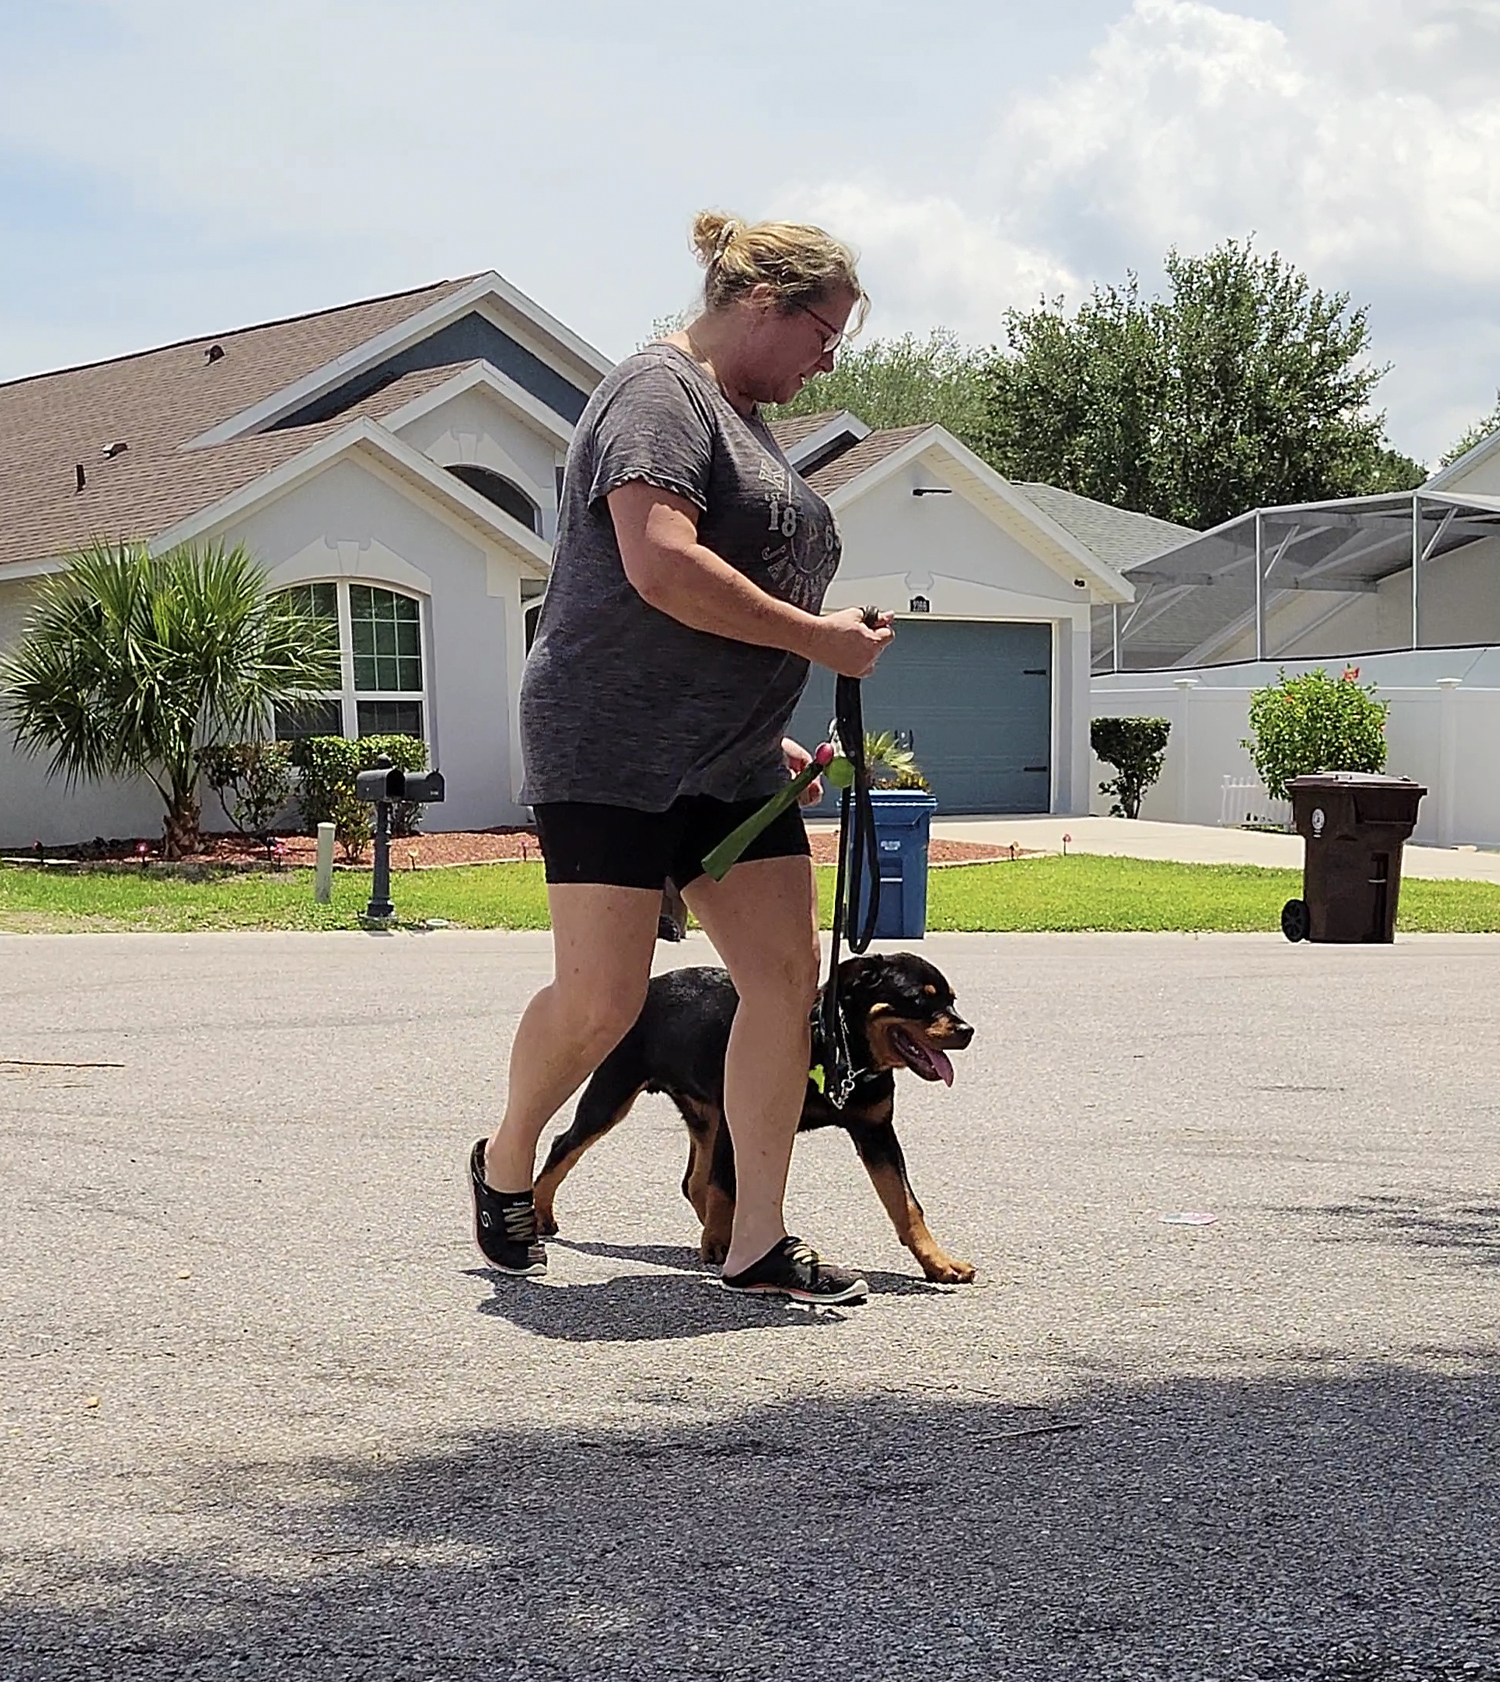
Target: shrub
(329, 765)
(1135, 747)
(253, 781)
(326, 792)
(1315, 723)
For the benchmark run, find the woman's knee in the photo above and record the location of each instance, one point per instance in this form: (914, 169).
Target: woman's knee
(788, 981)
(600, 1014)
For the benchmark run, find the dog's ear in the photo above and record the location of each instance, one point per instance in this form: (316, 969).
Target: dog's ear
(856, 972)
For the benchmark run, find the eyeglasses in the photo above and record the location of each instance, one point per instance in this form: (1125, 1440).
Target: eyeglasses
(833, 336)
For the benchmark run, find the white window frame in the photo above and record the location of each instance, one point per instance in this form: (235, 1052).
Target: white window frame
(347, 695)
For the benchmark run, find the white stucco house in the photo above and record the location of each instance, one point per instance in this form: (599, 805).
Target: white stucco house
(992, 587)
(400, 459)
(1405, 586)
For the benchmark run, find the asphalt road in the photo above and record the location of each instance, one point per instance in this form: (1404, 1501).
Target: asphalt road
(262, 1415)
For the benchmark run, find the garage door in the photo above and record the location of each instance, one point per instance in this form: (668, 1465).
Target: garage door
(974, 698)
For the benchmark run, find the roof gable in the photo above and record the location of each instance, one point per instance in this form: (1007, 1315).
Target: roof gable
(809, 447)
(872, 449)
(418, 394)
(52, 426)
(485, 317)
(1479, 467)
(880, 456)
(791, 431)
(307, 451)
(471, 338)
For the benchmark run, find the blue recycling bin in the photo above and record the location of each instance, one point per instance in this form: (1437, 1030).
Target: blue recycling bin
(903, 819)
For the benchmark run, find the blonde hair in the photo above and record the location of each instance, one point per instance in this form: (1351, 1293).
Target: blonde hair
(798, 262)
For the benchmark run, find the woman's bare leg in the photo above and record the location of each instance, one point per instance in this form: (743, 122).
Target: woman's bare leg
(762, 918)
(602, 943)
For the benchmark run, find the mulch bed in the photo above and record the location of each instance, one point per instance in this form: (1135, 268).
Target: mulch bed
(428, 852)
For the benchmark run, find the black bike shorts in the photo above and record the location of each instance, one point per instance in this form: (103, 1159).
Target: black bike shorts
(619, 847)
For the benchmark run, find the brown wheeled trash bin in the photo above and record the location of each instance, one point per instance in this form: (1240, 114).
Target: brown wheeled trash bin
(1353, 826)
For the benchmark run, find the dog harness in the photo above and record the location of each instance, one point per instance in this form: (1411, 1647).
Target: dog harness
(818, 1073)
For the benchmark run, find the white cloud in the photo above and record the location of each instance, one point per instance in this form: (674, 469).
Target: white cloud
(283, 155)
(1362, 140)
(927, 261)
(284, 118)
(1367, 144)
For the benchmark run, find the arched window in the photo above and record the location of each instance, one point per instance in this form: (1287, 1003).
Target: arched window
(502, 492)
(383, 689)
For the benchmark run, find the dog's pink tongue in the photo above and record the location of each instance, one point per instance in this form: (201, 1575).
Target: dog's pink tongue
(941, 1064)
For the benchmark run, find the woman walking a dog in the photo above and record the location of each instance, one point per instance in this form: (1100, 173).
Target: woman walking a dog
(683, 611)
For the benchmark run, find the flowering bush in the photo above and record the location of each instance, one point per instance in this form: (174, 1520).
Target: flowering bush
(1315, 723)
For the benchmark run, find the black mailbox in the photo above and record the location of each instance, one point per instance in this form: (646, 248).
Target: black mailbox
(382, 785)
(390, 783)
(425, 787)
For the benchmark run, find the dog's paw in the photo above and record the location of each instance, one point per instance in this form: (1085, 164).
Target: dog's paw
(711, 1250)
(944, 1270)
(546, 1224)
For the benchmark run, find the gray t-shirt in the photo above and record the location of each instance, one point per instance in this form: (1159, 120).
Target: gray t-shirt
(620, 703)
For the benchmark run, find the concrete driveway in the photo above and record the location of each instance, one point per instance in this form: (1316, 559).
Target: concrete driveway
(263, 1416)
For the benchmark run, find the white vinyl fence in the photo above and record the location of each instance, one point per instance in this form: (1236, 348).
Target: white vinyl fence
(1243, 802)
(1443, 731)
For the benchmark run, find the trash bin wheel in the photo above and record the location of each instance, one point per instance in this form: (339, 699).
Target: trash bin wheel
(1296, 920)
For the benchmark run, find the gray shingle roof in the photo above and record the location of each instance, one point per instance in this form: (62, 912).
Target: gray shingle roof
(154, 402)
(864, 455)
(794, 430)
(1119, 538)
(400, 392)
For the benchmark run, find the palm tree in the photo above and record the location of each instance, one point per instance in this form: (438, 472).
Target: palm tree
(132, 664)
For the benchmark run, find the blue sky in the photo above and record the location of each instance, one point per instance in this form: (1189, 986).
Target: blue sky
(169, 167)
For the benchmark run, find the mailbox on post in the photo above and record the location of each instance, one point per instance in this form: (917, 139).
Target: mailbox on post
(387, 783)
(383, 784)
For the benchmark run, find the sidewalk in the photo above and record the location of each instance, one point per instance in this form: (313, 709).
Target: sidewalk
(1193, 844)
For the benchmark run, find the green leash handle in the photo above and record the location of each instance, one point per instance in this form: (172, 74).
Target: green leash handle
(718, 862)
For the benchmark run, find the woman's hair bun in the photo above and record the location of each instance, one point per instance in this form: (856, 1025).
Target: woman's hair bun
(798, 263)
(712, 233)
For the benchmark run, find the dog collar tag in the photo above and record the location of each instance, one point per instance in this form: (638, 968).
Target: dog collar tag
(819, 1078)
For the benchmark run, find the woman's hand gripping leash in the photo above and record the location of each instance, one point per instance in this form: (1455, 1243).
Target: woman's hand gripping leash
(861, 633)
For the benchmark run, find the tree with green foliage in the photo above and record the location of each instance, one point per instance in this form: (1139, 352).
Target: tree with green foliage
(1244, 387)
(909, 381)
(133, 665)
(1476, 434)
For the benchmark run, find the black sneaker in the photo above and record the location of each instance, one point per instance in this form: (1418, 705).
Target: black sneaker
(794, 1269)
(504, 1224)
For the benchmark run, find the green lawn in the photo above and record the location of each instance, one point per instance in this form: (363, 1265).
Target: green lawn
(1081, 892)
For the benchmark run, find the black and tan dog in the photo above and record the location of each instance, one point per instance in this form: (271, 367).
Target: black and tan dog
(899, 1012)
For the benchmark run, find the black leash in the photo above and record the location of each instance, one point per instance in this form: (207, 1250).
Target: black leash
(858, 865)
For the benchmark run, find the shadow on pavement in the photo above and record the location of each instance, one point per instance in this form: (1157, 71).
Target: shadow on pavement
(641, 1308)
(1468, 1232)
(653, 1307)
(1338, 1523)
